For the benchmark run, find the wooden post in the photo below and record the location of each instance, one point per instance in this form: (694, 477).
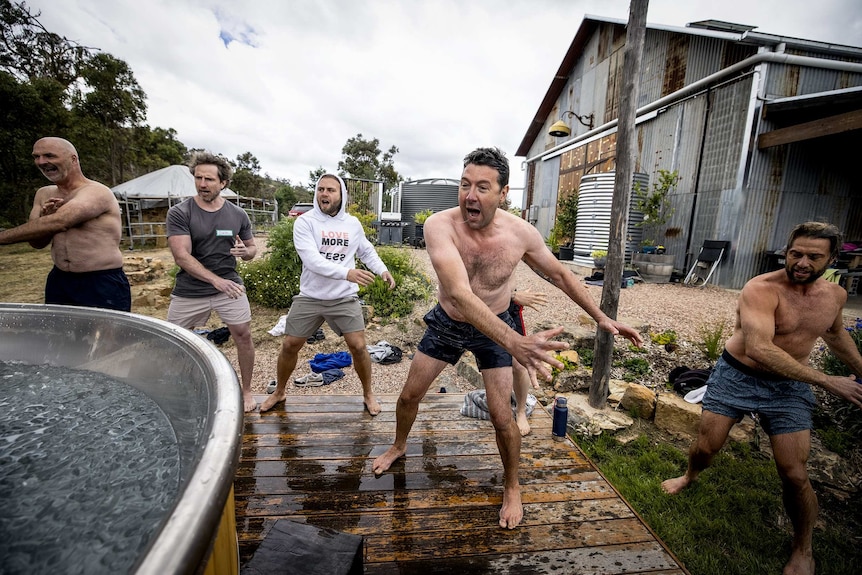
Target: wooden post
(632, 56)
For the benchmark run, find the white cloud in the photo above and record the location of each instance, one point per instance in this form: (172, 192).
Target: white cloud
(292, 80)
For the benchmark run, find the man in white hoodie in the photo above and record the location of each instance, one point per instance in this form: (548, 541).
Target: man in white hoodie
(328, 241)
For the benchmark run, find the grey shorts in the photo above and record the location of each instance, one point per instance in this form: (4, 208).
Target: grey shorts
(734, 389)
(191, 312)
(306, 314)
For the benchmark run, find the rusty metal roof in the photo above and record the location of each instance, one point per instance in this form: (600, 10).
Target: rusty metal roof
(739, 33)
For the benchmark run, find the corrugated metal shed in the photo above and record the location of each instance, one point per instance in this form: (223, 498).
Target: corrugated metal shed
(703, 107)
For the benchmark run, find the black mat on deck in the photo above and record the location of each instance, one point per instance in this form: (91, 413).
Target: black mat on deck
(292, 547)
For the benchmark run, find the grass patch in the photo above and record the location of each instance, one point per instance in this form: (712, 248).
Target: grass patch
(731, 521)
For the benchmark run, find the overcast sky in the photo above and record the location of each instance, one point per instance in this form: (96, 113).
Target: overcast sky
(292, 80)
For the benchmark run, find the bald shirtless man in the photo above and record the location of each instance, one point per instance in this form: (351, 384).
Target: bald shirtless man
(474, 249)
(80, 218)
(764, 369)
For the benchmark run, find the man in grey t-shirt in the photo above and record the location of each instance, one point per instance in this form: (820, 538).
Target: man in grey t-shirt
(206, 234)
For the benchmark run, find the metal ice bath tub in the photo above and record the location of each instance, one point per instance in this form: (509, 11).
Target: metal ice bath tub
(190, 381)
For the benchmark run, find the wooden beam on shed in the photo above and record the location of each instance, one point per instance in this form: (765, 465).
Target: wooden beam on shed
(809, 130)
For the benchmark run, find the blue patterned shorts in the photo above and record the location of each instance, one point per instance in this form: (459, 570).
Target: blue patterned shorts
(734, 389)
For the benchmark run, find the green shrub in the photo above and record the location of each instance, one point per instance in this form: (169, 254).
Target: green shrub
(420, 217)
(663, 338)
(712, 339)
(635, 368)
(367, 221)
(839, 424)
(586, 356)
(832, 365)
(411, 285)
(567, 365)
(273, 279)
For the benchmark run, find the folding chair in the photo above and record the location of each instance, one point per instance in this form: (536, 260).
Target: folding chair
(707, 260)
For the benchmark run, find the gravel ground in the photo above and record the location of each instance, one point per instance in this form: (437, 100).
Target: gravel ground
(662, 306)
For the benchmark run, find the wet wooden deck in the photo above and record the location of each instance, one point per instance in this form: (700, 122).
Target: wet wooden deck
(436, 510)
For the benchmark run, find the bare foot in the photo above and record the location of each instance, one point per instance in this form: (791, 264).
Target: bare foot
(523, 424)
(272, 400)
(249, 404)
(673, 486)
(800, 563)
(512, 511)
(386, 460)
(371, 404)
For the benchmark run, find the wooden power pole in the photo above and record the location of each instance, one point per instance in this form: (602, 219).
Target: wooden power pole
(632, 56)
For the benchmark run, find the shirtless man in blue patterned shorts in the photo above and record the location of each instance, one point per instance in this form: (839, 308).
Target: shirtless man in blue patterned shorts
(764, 369)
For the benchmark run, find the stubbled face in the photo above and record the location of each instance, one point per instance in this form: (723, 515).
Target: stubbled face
(329, 196)
(53, 159)
(479, 195)
(207, 182)
(807, 259)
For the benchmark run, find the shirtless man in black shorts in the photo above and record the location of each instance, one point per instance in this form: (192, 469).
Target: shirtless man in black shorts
(474, 249)
(80, 218)
(764, 369)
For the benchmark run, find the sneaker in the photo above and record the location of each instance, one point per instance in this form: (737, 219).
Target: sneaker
(270, 388)
(317, 336)
(310, 380)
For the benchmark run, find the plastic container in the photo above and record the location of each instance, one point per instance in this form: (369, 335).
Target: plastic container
(561, 419)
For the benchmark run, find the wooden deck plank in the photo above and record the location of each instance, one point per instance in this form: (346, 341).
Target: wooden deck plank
(434, 519)
(435, 510)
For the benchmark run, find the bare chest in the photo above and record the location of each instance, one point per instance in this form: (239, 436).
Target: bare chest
(809, 315)
(489, 264)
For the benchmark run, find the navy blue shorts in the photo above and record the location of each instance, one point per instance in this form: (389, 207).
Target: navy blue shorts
(447, 340)
(734, 389)
(106, 289)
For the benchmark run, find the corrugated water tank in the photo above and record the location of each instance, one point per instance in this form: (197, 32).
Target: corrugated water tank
(436, 194)
(595, 198)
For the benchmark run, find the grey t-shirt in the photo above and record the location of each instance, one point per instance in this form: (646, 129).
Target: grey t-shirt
(213, 235)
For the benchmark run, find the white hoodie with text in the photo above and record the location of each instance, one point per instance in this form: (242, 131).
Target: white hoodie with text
(328, 247)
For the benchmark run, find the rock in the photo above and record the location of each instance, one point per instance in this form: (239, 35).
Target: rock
(583, 417)
(138, 277)
(640, 400)
(579, 335)
(742, 432)
(573, 380)
(676, 416)
(468, 369)
(570, 355)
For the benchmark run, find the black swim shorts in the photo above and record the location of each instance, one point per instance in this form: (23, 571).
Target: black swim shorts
(447, 339)
(106, 289)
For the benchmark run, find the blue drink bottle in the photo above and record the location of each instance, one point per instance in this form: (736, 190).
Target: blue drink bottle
(561, 418)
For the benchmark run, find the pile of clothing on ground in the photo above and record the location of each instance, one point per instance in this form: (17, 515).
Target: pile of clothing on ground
(476, 404)
(384, 353)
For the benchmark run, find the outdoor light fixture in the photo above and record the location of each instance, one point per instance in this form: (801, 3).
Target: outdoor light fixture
(561, 129)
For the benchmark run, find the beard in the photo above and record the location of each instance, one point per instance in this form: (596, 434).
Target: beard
(813, 276)
(333, 209)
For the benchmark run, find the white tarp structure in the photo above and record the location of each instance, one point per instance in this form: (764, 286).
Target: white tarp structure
(162, 188)
(145, 202)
